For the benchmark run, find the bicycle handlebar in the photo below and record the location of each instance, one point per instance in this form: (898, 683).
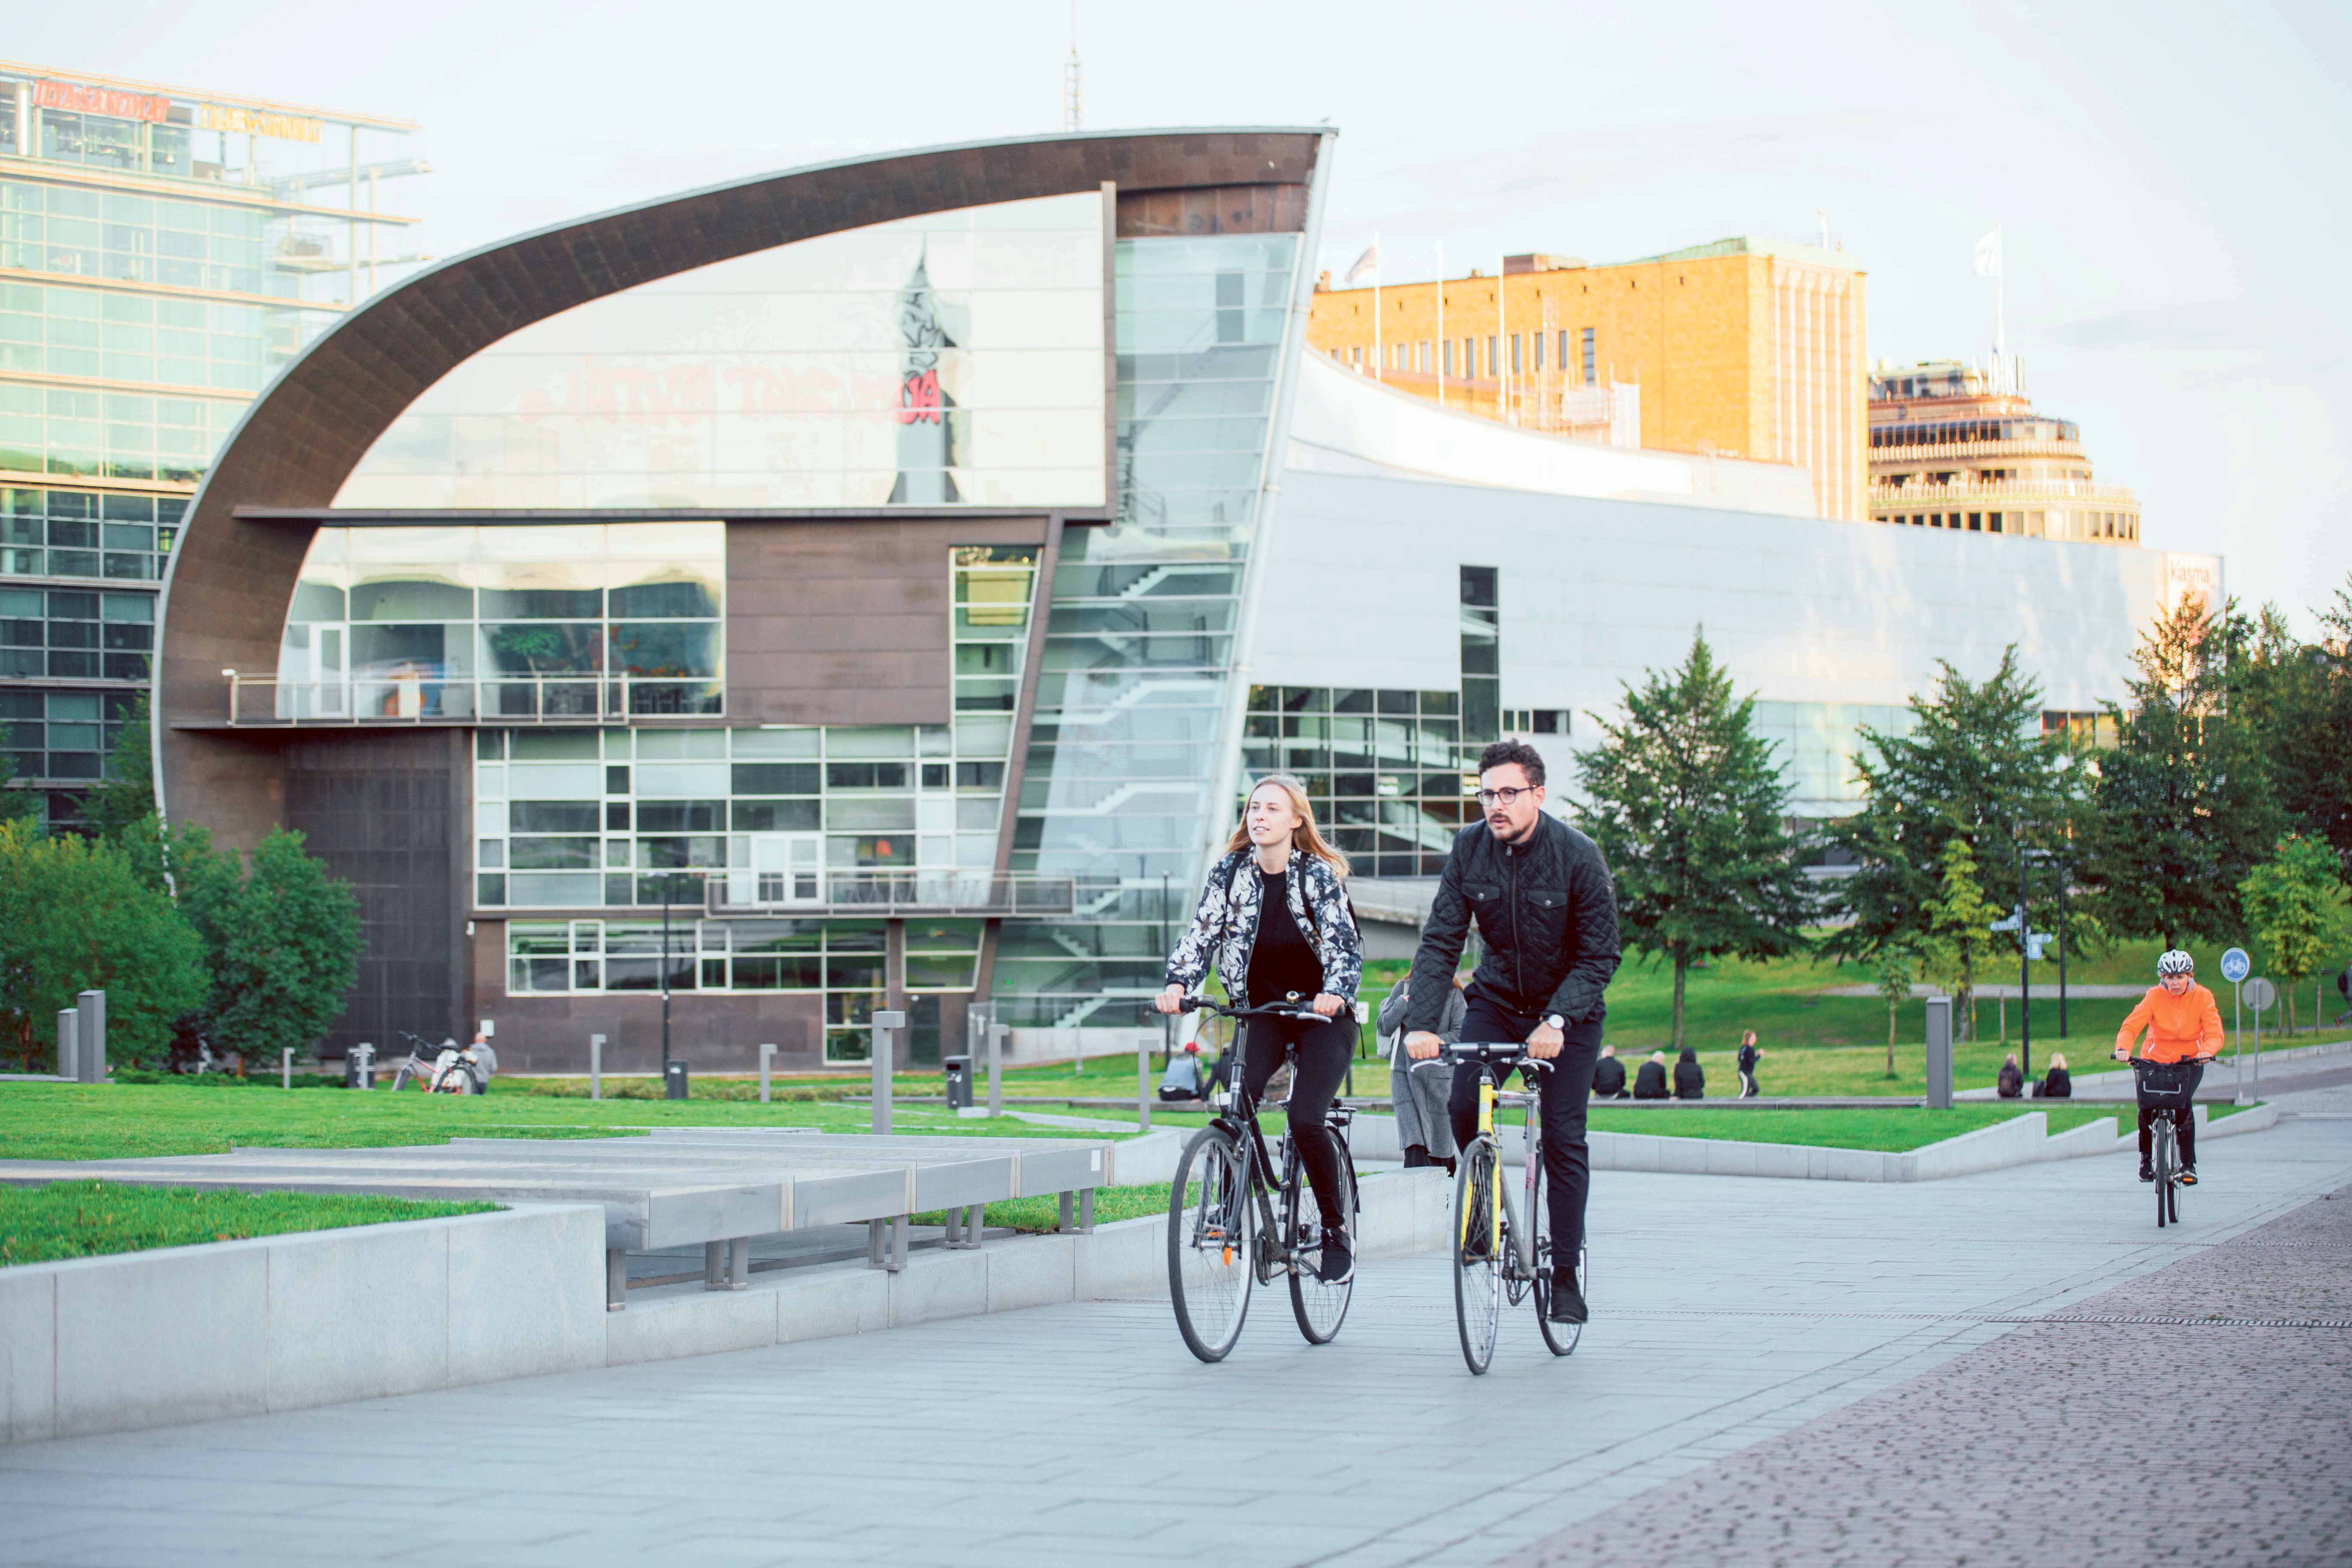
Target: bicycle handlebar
(1262, 1010)
(1504, 1055)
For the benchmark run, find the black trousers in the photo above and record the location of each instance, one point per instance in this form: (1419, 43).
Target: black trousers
(1322, 1051)
(1563, 1089)
(2184, 1126)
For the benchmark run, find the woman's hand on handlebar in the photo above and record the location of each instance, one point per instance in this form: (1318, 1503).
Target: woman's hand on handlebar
(1170, 1000)
(1327, 1005)
(1422, 1046)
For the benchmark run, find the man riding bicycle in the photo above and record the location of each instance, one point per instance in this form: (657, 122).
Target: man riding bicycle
(1547, 912)
(2183, 1025)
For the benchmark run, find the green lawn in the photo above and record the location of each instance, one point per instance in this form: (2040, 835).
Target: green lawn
(86, 1219)
(1033, 1216)
(63, 1121)
(1895, 1128)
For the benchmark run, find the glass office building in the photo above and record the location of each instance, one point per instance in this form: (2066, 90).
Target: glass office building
(162, 251)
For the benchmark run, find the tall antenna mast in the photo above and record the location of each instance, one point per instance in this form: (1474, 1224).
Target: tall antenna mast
(1070, 75)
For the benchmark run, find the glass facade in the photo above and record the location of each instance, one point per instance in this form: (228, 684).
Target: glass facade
(161, 256)
(558, 620)
(955, 358)
(1482, 655)
(1121, 776)
(1816, 743)
(1387, 772)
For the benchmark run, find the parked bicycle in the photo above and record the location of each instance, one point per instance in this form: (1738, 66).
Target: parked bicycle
(447, 1068)
(2171, 1090)
(1498, 1254)
(1239, 1215)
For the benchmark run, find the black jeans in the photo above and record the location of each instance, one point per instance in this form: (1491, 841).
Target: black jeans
(1323, 1051)
(1563, 1089)
(2184, 1126)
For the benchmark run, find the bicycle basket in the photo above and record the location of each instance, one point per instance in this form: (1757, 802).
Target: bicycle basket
(2167, 1086)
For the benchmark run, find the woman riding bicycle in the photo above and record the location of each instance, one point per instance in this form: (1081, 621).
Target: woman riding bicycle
(1274, 922)
(2183, 1025)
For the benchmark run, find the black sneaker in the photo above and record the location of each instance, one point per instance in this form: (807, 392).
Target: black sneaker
(1416, 1157)
(2188, 1175)
(2147, 1172)
(1566, 1302)
(1338, 1264)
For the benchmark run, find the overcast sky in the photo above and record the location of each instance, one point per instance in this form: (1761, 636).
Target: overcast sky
(2171, 179)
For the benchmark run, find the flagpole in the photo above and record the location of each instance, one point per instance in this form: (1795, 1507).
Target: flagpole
(1501, 349)
(1380, 365)
(1438, 364)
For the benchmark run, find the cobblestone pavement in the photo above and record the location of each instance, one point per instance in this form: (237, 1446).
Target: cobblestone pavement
(1731, 1312)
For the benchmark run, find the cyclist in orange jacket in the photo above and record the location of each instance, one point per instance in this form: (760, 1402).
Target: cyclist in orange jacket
(2183, 1025)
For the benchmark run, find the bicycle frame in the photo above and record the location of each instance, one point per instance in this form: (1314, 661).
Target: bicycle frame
(1237, 1118)
(1500, 1207)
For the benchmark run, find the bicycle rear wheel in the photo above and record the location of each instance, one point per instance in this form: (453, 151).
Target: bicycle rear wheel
(1320, 1308)
(1561, 1338)
(1477, 1252)
(1212, 1232)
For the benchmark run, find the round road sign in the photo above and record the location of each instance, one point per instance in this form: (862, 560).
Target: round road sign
(2236, 965)
(2260, 993)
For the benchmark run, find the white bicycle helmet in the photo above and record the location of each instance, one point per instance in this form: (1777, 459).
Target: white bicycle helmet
(2175, 962)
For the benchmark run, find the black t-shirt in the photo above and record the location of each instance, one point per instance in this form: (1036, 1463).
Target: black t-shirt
(1283, 960)
(1748, 1060)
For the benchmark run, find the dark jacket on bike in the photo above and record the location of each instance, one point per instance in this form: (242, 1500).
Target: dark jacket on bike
(1547, 912)
(1690, 1078)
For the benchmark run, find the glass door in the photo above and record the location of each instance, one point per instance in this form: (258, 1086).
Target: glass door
(787, 867)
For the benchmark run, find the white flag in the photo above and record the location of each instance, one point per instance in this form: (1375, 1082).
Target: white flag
(1369, 262)
(1989, 255)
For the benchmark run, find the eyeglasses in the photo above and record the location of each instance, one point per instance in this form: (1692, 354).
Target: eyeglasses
(1501, 796)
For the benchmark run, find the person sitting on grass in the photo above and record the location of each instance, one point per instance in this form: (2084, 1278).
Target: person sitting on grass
(1650, 1083)
(2057, 1083)
(2011, 1082)
(1690, 1078)
(1608, 1076)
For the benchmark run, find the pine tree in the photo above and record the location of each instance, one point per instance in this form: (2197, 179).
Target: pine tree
(1959, 921)
(2182, 809)
(1689, 805)
(1974, 766)
(2295, 908)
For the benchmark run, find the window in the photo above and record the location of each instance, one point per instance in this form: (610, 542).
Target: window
(1536, 340)
(1493, 359)
(1563, 348)
(1384, 768)
(1514, 352)
(1591, 377)
(1449, 356)
(1535, 721)
(1481, 654)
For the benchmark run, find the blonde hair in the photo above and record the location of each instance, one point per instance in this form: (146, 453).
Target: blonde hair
(1304, 838)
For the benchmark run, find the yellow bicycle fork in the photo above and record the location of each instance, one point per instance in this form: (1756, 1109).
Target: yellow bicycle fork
(1494, 1184)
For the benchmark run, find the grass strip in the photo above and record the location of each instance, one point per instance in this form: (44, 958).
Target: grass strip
(1896, 1130)
(1033, 1216)
(90, 1219)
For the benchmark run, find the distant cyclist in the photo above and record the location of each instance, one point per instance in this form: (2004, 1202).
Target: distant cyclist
(2183, 1025)
(1547, 912)
(1274, 922)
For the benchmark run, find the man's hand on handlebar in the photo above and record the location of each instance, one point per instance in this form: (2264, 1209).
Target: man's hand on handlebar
(1422, 1046)
(1170, 1000)
(1545, 1043)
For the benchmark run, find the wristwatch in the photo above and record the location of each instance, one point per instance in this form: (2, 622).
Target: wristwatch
(1554, 1021)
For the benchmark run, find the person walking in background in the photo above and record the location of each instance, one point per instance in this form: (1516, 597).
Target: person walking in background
(1650, 1082)
(2010, 1083)
(1747, 1055)
(1419, 1091)
(2344, 989)
(2057, 1083)
(1608, 1076)
(1690, 1078)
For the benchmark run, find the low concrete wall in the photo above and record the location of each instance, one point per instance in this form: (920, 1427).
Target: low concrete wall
(243, 1327)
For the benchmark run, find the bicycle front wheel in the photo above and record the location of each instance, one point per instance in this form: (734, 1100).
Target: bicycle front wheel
(1478, 1252)
(2163, 1171)
(1211, 1230)
(1320, 1308)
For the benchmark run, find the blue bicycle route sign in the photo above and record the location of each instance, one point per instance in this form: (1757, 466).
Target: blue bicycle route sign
(2236, 965)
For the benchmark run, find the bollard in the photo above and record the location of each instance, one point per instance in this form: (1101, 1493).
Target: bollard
(68, 1059)
(359, 1067)
(956, 1074)
(1939, 1053)
(885, 1022)
(997, 1033)
(1143, 1081)
(674, 1082)
(89, 1035)
(767, 1056)
(286, 1066)
(595, 1067)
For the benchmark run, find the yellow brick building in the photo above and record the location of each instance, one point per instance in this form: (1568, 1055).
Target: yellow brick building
(1745, 348)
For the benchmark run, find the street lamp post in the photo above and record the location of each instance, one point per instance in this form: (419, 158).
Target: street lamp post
(2024, 967)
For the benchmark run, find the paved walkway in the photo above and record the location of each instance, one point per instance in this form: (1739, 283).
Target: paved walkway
(1732, 1313)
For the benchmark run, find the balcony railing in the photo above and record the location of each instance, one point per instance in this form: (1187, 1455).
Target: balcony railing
(267, 701)
(1927, 494)
(887, 893)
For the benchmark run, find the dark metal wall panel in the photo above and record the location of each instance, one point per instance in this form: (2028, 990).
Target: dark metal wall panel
(847, 622)
(386, 812)
(1220, 209)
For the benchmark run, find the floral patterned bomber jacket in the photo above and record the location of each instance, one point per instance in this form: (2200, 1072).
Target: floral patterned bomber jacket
(1224, 927)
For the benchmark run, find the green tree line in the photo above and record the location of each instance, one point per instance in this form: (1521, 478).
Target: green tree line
(2213, 803)
(250, 953)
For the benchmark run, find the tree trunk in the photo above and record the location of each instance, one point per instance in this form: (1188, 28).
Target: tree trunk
(1682, 967)
(1890, 1040)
